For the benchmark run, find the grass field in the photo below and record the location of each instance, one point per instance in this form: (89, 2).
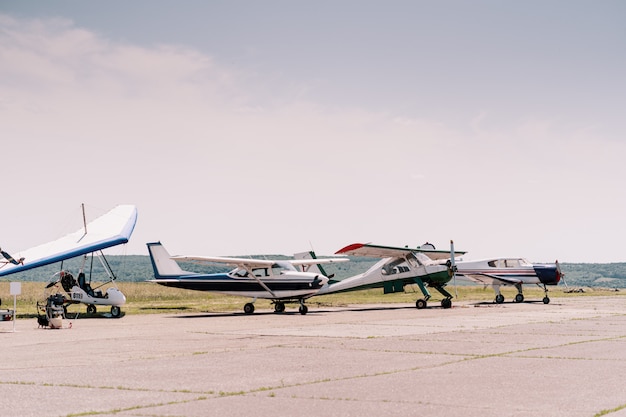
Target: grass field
(150, 298)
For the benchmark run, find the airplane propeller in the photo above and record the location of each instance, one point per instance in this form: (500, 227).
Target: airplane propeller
(452, 268)
(52, 283)
(560, 274)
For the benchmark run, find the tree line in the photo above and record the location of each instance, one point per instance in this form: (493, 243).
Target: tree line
(137, 268)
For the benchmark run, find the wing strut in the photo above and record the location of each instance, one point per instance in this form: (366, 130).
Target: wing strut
(261, 283)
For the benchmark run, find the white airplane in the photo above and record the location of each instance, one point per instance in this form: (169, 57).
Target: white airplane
(111, 229)
(510, 271)
(279, 281)
(399, 267)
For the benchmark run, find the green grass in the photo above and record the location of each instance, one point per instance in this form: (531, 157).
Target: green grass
(150, 298)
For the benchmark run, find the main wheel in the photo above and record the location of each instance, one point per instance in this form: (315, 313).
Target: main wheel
(116, 311)
(499, 299)
(446, 303)
(420, 304)
(303, 309)
(519, 298)
(91, 309)
(546, 300)
(279, 307)
(248, 308)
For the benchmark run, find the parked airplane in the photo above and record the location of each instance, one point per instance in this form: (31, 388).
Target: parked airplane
(399, 267)
(279, 281)
(511, 271)
(111, 229)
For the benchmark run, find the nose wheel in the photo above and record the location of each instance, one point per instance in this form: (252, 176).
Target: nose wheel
(303, 308)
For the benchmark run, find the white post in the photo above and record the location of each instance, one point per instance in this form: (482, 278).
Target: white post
(16, 289)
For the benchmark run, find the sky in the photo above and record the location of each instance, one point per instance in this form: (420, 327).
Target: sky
(274, 127)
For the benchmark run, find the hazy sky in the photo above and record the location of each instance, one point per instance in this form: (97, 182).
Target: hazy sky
(241, 127)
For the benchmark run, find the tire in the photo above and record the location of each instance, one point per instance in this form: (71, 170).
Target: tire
(420, 304)
(91, 309)
(248, 308)
(499, 299)
(116, 311)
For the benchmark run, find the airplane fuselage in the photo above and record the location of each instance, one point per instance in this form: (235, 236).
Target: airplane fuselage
(390, 279)
(290, 285)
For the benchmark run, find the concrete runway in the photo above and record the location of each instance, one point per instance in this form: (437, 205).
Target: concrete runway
(567, 358)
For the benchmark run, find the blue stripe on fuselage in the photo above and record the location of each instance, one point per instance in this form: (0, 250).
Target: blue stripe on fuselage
(225, 283)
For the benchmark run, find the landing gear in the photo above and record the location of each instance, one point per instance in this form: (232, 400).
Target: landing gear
(91, 309)
(303, 309)
(499, 299)
(248, 308)
(546, 299)
(420, 304)
(116, 311)
(279, 307)
(519, 298)
(446, 303)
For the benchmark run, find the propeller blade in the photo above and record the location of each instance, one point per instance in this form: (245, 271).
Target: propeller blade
(453, 266)
(52, 284)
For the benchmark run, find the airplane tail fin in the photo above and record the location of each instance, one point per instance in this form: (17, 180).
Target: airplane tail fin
(317, 268)
(162, 263)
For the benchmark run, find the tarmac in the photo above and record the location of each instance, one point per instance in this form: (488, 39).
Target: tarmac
(566, 358)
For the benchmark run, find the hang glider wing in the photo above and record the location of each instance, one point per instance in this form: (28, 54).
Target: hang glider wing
(483, 278)
(111, 229)
(377, 251)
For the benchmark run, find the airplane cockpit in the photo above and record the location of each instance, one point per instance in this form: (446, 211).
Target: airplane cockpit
(410, 261)
(276, 269)
(509, 263)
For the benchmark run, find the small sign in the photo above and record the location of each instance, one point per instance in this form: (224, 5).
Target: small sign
(16, 288)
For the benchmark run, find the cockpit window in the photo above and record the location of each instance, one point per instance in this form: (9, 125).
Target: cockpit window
(507, 263)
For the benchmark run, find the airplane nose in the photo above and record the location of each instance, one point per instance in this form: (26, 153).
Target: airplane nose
(320, 280)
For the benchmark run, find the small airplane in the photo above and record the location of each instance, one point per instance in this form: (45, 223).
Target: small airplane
(399, 267)
(111, 229)
(511, 271)
(278, 280)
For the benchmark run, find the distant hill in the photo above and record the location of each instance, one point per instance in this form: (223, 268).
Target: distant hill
(138, 268)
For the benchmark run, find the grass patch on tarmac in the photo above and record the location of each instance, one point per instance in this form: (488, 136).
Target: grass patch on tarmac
(151, 298)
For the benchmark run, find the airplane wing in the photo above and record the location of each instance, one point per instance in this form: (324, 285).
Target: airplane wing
(111, 229)
(242, 262)
(254, 263)
(317, 261)
(483, 278)
(378, 251)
